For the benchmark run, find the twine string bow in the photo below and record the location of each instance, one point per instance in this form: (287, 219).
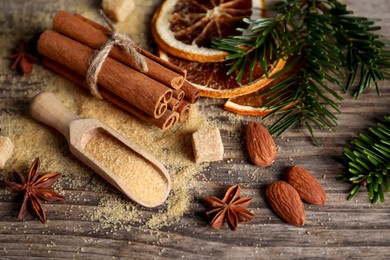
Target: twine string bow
(98, 58)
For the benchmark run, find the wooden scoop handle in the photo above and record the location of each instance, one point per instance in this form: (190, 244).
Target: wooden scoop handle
(46, 108)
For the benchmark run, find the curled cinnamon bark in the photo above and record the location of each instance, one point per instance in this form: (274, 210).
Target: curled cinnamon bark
(159, 95)
(114, 76)
(166, 121)
(94, 35)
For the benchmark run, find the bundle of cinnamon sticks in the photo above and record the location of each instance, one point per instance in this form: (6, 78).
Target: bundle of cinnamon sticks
(160, 96)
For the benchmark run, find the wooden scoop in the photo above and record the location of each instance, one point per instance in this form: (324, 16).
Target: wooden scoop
(46, 108)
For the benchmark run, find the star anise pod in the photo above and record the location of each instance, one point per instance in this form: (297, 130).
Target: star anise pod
(23, 60)
(35, 189)
(231, 208)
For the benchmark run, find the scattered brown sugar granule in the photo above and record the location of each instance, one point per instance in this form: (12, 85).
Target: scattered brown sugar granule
(135, 174)
(172, 147)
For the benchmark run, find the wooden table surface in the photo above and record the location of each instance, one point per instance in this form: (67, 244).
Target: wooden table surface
(340, 229)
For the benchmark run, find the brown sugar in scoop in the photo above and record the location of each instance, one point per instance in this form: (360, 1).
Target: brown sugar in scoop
(134, 172)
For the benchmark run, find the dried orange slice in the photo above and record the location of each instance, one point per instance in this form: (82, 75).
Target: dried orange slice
(184, 28)
(211, 80)
(248, 106)
(252, 104)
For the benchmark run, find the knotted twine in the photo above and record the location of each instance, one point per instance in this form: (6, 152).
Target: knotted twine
(98, 58)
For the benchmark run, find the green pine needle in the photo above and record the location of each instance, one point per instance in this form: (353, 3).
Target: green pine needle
(326, 43)
(368, 161)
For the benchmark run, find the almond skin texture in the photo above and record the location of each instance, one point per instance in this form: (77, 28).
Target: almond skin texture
(308, 188)
(286, 203)
(260, 144)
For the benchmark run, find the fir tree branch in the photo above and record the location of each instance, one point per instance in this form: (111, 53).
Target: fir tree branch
(368, 161)
(367, 53)
(326, 42)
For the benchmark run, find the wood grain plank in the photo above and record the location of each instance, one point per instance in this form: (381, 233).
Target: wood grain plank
(340, 229)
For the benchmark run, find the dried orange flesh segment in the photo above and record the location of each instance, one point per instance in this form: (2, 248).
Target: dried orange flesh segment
(185, 28)
(200, 21)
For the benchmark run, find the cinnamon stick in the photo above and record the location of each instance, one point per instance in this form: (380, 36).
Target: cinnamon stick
(173, 104)
(166, 121)
(184, 110)
(114, 76)
(82, 30)
(191, 93)
(178, 94)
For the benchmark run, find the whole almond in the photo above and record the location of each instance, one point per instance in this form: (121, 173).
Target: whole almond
(286, 203)
(308, 188)
(260, 144)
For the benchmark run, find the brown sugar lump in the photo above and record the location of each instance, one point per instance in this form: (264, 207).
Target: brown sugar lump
(118, 10)
(6, 149)
(207, 145)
